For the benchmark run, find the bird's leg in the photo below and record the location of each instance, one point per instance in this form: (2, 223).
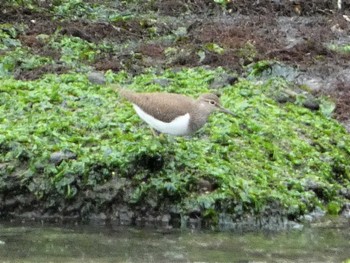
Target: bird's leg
(160, 136)
(154, 132)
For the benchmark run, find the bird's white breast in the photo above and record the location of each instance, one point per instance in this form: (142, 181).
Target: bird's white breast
(179, 126)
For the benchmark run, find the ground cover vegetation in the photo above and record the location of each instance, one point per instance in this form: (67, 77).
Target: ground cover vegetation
(70, 147)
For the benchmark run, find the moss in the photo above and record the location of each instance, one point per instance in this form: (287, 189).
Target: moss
(334, 208)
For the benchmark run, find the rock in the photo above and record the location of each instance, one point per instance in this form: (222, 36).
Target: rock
(347, 125)
(345, 211)
(307, 218)
(316, 187)
(226, 222)
(317, 213)
(345, 192)
(109, 191)
(125, 216)
(162, 82)
(222, 81)
(204, 185)
(311, 104)
(295, 226)
(194, 223)
(57, 157)
(98, 219)
(180, 32)
(152, 201)
(96, 78)
(30, 215)
(150, 220)
(70, 155)
(165, 220)
(284, 98)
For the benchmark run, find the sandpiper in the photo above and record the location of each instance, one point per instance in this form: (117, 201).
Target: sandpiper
(171, 113)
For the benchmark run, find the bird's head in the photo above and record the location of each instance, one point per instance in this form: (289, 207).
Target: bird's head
(212, 102)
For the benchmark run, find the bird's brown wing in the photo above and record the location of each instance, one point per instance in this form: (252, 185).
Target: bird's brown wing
(163, 106)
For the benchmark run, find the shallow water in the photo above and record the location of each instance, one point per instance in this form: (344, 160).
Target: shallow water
(47, 243)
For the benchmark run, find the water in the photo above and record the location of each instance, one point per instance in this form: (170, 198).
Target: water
(47, 243)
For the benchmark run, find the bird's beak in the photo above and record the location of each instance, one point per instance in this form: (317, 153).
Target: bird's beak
(222, 109)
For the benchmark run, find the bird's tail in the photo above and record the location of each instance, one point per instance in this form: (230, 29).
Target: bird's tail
(115, 87)
(125, 93)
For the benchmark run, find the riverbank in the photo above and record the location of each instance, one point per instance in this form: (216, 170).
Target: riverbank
(71, 149)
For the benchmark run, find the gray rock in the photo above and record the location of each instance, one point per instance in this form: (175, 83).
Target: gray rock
(162, 82)
(125, 216)
(284, 98)
(345, 192)
(295, 226)
(70, 155)
(98, 219)
(204, 185)
(311, 104)
(317, 213)
(57, 157)
(345, 211)
(96, 78)
(222, 81)
(180, 32)
(307, 218)
(165, 219)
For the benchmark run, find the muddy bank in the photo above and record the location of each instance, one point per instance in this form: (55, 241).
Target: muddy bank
(307, 42)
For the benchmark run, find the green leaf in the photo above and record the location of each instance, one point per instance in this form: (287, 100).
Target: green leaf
(327, 108)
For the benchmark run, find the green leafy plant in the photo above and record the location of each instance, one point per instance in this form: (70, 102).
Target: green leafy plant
(345, 49)
(271, 155)
(74, 50)
(20, 59)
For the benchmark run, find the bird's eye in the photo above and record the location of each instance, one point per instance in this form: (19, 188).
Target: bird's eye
(212, 102)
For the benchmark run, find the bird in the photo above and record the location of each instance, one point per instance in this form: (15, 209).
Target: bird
(171, 113)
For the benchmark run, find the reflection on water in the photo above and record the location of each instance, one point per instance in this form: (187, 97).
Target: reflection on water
(47, 243)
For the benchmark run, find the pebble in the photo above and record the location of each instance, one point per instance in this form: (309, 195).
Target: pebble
(57, 157)
(96, 78)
